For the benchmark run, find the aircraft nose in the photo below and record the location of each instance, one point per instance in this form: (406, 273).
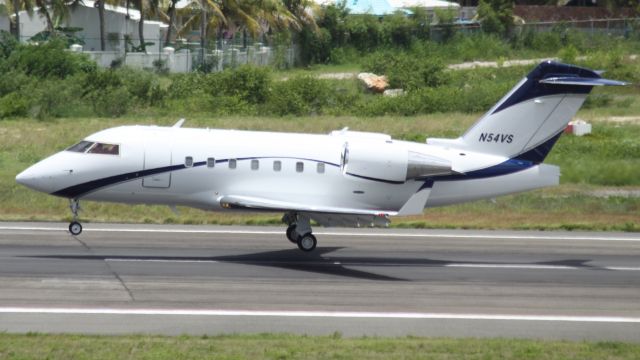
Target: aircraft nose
(36, 178)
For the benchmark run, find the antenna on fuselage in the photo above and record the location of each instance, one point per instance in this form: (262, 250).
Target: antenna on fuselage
(179, 123)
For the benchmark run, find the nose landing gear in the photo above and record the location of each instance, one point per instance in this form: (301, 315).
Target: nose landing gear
(299, 231)
(75, 228)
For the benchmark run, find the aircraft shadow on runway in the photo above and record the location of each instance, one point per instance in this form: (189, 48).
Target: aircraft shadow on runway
(319, 262)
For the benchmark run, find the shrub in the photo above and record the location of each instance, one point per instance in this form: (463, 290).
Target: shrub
(407, 71)
(8, 43)
(107, 93)
(249, 83)
(13, 104)
(49, 60)
(184, 85)
(54, 98)
(496, 16)
(112, 102)
(144, 86)
(315, 46)
(548, 41)
(303, 95)
(13, 81)
(568, 54)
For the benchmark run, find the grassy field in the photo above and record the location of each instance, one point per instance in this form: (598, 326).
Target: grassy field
(608, 162)
(280, 346)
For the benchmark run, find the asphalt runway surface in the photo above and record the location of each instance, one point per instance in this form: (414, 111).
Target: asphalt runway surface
(123, 279)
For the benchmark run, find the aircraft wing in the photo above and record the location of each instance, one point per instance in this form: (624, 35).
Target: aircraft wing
(324, 215)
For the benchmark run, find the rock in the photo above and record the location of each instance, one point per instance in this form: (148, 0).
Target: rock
(374, 82)
(393, 92)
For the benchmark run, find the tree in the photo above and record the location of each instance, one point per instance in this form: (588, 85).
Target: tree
(103, 45)
(144, 5)
(496, 16)
(170, 16)
(16, 6)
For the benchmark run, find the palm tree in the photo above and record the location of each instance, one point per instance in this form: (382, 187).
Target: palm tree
(300, 10)
(16, 6)
(143, 6)
(201, 9)
(54, 11)
(170, 16)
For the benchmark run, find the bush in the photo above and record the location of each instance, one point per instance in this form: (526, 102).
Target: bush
(112, 102)
(13, 104)
(55, 98)
(13, 81)
(8, 43)
(185, 85)
(107, 93)
(407, 71)
(249, 83)
(303, 95)
(48, 60)
(144, 86)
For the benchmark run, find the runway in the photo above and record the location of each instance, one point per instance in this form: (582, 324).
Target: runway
(120, 279)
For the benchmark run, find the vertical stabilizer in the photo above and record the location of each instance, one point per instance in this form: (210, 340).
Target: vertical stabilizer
(530, 118)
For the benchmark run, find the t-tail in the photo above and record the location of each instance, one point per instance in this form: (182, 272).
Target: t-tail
(526, 122)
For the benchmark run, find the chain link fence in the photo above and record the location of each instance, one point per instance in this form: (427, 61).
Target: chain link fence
(613, 27)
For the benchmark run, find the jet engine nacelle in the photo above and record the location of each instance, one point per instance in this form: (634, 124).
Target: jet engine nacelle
(390, 161)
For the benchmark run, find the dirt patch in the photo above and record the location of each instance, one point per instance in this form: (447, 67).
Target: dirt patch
(621, 119)
(607, 193)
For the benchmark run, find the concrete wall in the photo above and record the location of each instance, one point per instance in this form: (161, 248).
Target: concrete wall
(178, 62)
(87, 18)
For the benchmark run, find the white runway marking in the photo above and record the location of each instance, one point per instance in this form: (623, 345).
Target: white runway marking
(317, 314)
(568, 237)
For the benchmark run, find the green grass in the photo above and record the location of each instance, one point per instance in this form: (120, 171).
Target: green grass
(283, 346)
(610, 157)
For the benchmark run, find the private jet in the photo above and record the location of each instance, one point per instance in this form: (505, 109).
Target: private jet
(345, 178)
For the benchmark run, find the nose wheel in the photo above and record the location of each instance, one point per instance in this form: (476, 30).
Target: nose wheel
(75, 228)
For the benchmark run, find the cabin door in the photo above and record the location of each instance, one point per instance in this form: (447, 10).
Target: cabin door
(157, 157)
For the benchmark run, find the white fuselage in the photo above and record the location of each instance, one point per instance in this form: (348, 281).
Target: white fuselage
(281, 167)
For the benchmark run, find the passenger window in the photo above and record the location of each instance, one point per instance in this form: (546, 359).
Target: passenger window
(188, 161)
(320, 168)
(232, 163)
(80, 147)
(277, 165)
(299, 166)
(255, 164)
(106, 149)
(211, 162)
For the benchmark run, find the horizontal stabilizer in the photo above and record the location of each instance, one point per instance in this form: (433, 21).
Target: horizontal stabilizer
(582, 81)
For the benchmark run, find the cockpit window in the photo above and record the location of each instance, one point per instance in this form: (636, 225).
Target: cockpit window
(89, 147)
(100, 148)
(81, 147)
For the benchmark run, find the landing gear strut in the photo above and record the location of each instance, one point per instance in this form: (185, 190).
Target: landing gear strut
(75, 228)
(299, 231)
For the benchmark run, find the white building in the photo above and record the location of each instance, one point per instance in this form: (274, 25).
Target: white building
(120, 23)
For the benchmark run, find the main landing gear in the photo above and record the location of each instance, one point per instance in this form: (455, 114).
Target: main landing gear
(299, 231)
(75, 228)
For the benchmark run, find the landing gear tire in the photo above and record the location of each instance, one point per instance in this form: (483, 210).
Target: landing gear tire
(307, 242)
(75, 228)
(292, 235)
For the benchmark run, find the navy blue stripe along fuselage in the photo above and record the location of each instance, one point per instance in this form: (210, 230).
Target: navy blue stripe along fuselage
(82, 189)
